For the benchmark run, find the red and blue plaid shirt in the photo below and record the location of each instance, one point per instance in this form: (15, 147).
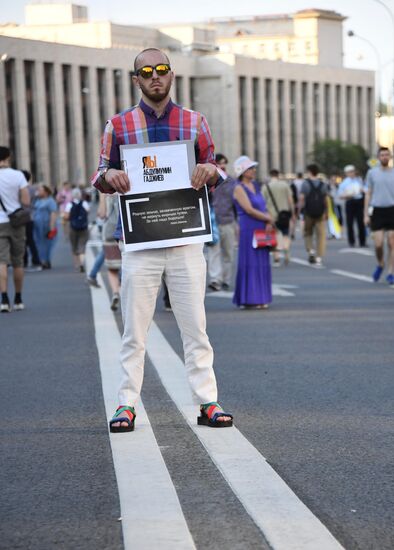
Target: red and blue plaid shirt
(140, 124)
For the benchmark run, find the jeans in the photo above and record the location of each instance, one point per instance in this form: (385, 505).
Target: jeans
(98, 264)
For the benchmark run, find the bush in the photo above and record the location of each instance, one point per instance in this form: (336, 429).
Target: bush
(332, 155)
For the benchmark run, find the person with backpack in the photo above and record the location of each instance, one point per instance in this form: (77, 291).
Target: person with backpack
(76, 212)
(314, 204)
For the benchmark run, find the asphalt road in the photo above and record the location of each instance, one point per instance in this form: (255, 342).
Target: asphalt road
(310, 383)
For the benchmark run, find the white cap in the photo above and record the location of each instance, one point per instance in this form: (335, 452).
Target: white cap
(242, 164)
(349, 168)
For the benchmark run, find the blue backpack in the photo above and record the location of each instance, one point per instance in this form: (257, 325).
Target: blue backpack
(78, 217)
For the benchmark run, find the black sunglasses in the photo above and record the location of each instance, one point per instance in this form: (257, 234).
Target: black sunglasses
(147, 71)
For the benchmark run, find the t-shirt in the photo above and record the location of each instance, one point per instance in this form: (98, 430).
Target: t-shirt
(380, 182)
(352, 188)
(306, 186)
(282, 194)
(11, 182)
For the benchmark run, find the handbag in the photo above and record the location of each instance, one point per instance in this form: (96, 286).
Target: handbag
(283, 216)
(18, 217)
(264, 238)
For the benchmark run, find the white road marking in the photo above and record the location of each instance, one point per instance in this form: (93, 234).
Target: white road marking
(277, 290)
(152, 516)
(306, 263)
(361, 251)
(352, 275)
(285, 521)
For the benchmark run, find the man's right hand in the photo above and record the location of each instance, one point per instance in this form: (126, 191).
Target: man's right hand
(118, 180)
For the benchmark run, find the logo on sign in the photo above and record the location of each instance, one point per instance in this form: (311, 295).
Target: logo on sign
(151, 170)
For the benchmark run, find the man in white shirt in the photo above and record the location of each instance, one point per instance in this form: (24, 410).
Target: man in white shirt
(13, 194)
(352, 191)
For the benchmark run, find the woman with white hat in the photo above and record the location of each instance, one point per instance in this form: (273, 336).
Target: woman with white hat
(253, 287)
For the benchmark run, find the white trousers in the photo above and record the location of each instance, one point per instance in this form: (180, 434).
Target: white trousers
(184, 271)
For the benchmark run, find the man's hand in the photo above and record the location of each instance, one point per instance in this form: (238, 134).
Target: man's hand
(202, 173)
(367, 220)
(118, 180)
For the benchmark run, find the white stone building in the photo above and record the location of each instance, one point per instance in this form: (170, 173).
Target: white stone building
(62, 76)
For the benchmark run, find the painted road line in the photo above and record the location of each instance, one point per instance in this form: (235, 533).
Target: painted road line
(152, 516)
(352, 275)
(361, 251)
(300, 261)
(285, 521)
(277, 290)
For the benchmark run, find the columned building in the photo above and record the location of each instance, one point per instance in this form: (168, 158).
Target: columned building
(59, 82)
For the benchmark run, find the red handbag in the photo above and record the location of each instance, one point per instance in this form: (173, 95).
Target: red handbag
(264, 238)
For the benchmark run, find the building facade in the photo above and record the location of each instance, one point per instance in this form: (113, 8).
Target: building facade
(55, 96)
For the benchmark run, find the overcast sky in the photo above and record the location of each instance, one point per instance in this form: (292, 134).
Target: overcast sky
(367, 18)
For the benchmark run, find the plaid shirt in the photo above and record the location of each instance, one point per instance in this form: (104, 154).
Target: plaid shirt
(141, 125)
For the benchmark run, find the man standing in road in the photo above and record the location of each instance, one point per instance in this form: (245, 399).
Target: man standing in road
(380, 198)
(157, 119)
(351, 190)
(314, 202)
(13, 194)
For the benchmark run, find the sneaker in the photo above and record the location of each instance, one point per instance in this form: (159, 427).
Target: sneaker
(33, 269)
(19, 306)
(92, 281)
(318, 262)
(276, 262)
(390, 280)
(115, 301)
(225, 287)
(82, 269)
(5, 307)
(377, 273)
(167, 307)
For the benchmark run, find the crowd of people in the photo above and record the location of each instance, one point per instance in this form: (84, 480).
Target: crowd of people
(30, 218)
(322, 208)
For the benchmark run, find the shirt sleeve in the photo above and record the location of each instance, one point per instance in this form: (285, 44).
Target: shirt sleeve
(304, 188)
(205, 149)
(52, 205)
(369, 181)
(22, 182)
(109, 156)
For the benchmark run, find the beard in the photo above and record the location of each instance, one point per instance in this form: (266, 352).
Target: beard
(158, 93)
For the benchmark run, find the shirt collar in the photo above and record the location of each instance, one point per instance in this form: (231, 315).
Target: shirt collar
(149, 111)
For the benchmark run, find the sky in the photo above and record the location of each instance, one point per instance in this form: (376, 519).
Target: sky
(368, 19)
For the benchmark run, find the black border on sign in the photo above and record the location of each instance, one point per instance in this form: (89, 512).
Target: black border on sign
(142, 232)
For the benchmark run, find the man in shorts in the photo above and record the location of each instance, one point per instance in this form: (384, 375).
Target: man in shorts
(379, 212)
(13, 194)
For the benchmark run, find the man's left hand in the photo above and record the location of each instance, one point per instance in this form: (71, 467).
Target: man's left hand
(202, 174)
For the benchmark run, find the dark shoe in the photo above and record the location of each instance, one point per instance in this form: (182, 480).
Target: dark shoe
(225, 286)
(93, 282)
(82, 269)
(311, 259)
(123, 414)
(214, 286)
(209, 418)
(115, 301)
(390, 280)
(46, 265)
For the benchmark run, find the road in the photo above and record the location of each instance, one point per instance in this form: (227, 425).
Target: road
(309, 382)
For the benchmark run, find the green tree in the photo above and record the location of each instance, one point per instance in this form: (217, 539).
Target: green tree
(332, 155)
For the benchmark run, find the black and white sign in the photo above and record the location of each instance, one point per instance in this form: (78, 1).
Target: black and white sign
(165, 218)
(162, 209)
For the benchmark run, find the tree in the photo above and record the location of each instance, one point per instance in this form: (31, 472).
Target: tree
(332, 155)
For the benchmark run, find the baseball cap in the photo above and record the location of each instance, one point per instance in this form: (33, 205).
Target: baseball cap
(242, 164)
(349, 168)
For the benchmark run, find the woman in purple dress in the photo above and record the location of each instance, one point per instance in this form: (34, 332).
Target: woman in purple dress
(253, 288)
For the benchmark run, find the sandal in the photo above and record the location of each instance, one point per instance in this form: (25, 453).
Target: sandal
(207, 418)
(125, 418)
